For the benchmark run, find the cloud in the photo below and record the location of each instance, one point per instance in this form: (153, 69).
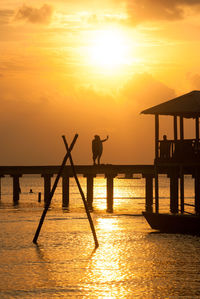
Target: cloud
(5, 15)
(35, 15)
(145, 10)
(194, 80)
(143, 91)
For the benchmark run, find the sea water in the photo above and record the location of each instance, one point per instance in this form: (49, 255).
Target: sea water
(132, 260)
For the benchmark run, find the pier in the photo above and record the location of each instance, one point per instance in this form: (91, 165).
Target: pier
(87, 171)
(173, 172)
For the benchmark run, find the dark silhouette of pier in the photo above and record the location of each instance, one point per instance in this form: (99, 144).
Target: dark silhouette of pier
(87, 171)
(109, 171)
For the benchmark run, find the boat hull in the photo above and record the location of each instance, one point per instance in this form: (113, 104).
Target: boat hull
(169, 223)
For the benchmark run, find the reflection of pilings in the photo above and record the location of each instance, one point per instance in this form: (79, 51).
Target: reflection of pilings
(47, 186)
(16, 188)
(65, 191)
(109, 179)
(197, 191)
(149, 192)
(90, 189)
(174, 192)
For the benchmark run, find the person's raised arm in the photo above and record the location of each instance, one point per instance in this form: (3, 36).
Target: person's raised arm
(105, 139)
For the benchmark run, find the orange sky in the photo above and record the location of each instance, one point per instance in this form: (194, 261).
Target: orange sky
(90, 67)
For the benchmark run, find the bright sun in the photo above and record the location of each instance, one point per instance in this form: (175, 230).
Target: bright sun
(109, 49)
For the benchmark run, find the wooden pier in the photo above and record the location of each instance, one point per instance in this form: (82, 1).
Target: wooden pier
(176, 157)
(87, 171)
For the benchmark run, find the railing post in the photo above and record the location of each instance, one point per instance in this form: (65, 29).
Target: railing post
(148, 192)
(156, 135)
(16, 188)
(110, 185)
(47, 186)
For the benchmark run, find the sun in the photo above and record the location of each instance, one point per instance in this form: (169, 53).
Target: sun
(109, 49)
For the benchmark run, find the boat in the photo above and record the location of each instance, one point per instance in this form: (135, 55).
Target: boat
(173, 223)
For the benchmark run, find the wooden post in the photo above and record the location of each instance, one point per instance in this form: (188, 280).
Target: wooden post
(149, 192)
(197, 191)
(16, 188)
(175, 128)
(181, 128)
(182, 189)
(46, 207)
(0, 187)
(65, 190)
(174, 192)
(90, 189)
(156, 135)
(81, 193)
(47, 186)
(156, 190)
(109, 185)
(197, 127)
(39, 196)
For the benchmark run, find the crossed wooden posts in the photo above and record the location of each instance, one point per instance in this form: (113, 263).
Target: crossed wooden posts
(48, 201)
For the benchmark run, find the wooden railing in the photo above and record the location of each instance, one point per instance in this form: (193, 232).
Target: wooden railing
(179, 150)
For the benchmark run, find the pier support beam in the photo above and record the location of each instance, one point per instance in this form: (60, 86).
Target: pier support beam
(174, 192)
(90, 189)
(65, 191)
(47, 186)
(197, 191)
(149, 192)
(16, 188)
(0, 187)
(110, 185)
(182, 189)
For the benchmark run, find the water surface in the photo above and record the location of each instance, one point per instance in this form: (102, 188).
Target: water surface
(132, 261)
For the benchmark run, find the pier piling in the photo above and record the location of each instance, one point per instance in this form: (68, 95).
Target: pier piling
(65, 191)
(16, 188)
(109, 187)
(174, 192)
(149, 192)
(197, 192)
(39, 196)
(90, 190)
(47, 186)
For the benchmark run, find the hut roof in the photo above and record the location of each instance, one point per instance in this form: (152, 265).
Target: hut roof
(187, 105)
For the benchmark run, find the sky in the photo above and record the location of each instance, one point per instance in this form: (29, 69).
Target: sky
(91, 67)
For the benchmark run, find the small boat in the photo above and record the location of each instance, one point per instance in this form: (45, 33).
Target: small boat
(173, 223)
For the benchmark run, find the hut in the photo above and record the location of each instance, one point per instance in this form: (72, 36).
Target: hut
(177, 157)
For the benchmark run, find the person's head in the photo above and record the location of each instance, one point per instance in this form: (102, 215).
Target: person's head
(96, 137)
(164, 137)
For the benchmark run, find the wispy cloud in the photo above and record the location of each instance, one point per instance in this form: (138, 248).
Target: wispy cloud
(35, 15)
(5, 15)
(145, 10)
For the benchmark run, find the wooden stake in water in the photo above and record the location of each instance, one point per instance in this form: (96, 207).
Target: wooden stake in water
(47, 204)
(82, 194)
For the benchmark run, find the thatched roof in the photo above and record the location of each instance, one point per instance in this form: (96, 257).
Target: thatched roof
(187, 105)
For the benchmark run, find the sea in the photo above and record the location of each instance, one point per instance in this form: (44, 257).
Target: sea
(132, 260)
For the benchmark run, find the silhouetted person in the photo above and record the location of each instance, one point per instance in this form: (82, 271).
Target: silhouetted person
(165, 148)
(97, 148)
